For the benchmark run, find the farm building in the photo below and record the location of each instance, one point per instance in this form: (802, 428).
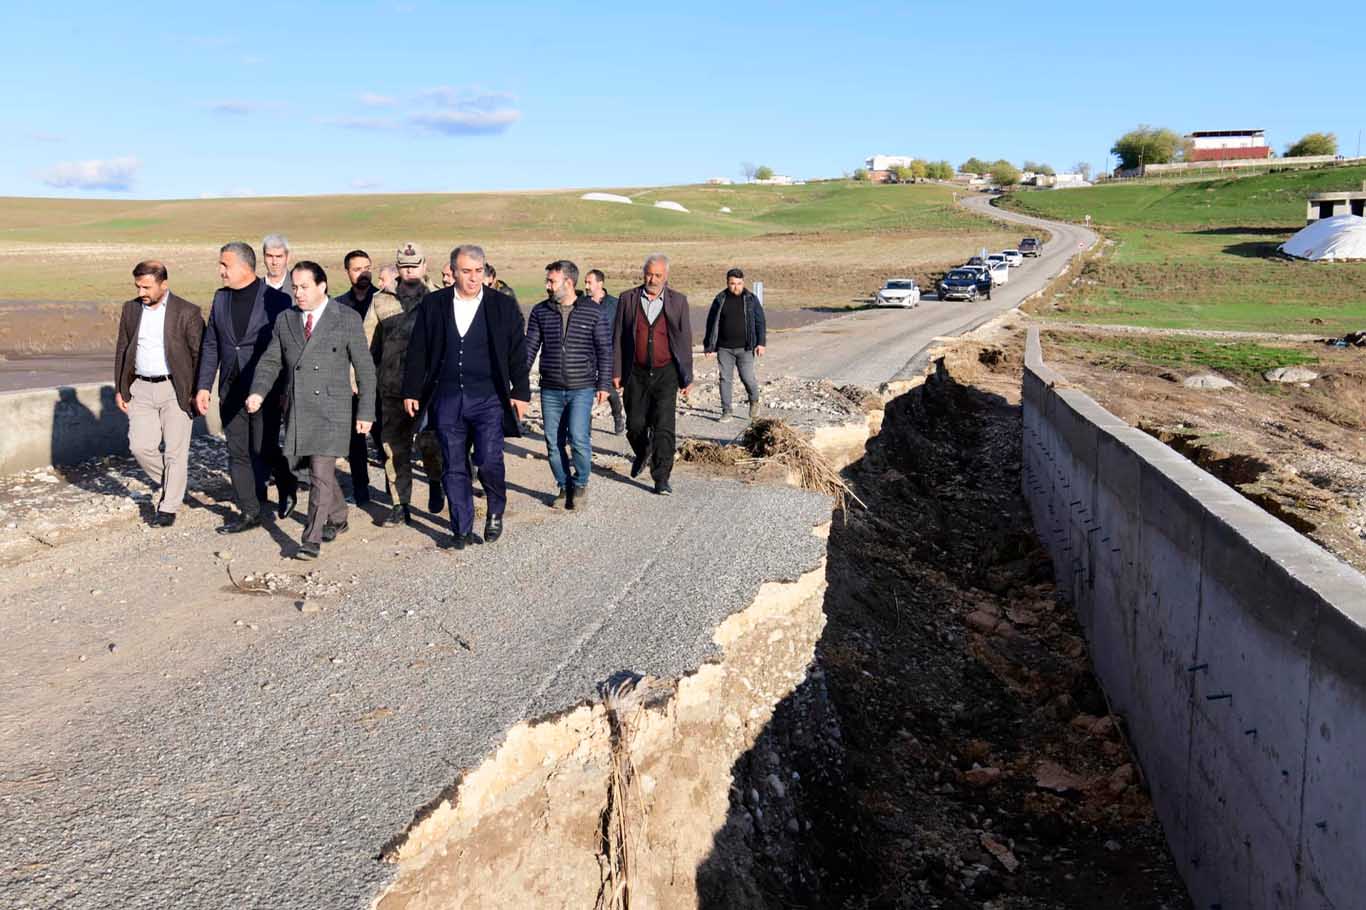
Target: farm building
(1326, 205)
(1228, 145)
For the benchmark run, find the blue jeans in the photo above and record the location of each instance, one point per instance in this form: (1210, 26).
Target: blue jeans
(568, 417)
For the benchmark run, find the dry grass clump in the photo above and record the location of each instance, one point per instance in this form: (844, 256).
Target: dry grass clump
(768, 439)
(866, 399)
(704, 451)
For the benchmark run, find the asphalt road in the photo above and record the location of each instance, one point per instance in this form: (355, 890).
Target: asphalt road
(269, 772)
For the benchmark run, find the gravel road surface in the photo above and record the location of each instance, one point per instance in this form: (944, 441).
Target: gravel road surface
(167, 741)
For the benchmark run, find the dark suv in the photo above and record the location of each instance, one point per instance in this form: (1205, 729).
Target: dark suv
(965, 284)
(1029, 246)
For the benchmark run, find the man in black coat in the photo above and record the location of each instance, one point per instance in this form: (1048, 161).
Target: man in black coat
(467, 366)
(240, 325)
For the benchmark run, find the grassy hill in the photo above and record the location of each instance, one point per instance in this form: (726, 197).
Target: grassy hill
(57, 249)
(1201, 255)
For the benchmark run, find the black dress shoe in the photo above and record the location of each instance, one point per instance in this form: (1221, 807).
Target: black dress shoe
(163, 519)
(436, 500)
(493, 528)
(399, 513)
(287, 503)
(330, 531)
(461, 541)
(308, 551)
(638, 465)
(243, 523)
(662, 488)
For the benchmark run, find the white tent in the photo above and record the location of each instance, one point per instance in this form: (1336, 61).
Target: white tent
(1330, 239)
(671, 206)
(606, 197)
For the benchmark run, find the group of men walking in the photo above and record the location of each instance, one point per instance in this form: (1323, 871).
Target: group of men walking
(444, 372)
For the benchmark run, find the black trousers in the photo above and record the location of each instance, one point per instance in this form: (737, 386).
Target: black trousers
(614, 401)
(254, 453)
(651, 398)
(358, 459)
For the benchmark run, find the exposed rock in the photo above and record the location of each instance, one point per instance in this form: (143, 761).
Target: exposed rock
(1290, 374)
(1209, 381)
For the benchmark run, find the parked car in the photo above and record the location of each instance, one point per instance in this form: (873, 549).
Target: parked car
(973, 260)
(1029, 246)
(902, 292)
(997, 259)
(965, 284)
(1013, 257)
(998, 269)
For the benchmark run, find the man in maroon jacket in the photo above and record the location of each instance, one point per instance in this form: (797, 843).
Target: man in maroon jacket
(652, 363)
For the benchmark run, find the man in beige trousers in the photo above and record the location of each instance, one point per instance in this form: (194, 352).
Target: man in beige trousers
(156, 359)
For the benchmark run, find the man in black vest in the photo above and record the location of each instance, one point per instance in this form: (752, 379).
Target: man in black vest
(241, 321)
(467, 366)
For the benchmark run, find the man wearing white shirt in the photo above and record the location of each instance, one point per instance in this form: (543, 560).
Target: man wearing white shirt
(156, 359)
(466, 364)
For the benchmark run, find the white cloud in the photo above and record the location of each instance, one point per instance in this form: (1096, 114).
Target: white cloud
(467, 122)
(372, 99)
(108, 174)
(232, 108)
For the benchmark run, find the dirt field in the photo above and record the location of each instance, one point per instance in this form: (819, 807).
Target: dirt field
(1296, 450)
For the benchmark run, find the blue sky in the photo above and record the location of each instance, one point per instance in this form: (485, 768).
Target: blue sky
(161, 100)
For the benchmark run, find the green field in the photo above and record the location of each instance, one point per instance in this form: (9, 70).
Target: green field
(820, 243)
(1201, 255)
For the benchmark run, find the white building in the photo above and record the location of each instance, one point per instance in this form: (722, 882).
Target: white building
(719, 181)
(777, 180)
(887, 162)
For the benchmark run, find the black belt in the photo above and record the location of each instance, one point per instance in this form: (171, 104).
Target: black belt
(150, 378)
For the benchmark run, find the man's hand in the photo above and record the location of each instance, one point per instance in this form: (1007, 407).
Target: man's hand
(520, 407)
(684, 391)
(118, 400)
(709, 354)
(600, 397)
(362, 427)
(410, 406)
(201, 401)
(759, 350)
(616, 383)
(254, 403)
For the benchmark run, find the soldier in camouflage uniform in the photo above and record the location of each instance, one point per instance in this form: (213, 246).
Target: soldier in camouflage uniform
(387, 326)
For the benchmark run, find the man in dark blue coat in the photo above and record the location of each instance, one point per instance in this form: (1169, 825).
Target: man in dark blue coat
(239, 330)
(574, 339)
(467, 366)
(596, 290)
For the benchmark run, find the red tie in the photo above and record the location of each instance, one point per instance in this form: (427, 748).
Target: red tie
(308, 327)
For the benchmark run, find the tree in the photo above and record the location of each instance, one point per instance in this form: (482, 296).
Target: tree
(920, 169)
(974, 166)
(940, 170)
(747, 168)
(1039, 168)
(763, 172)
(860, 173)
(1146, 145)
(1314, 144)
(1081, 167)
(1003, 173)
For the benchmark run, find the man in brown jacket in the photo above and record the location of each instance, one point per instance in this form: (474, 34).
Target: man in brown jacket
(156, 360)
(652, 363)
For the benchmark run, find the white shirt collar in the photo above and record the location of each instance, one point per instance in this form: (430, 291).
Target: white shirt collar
(317, 313)
(468, 301)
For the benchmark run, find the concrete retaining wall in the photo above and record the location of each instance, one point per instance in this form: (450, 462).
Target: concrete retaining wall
(1234, 648)
(67, 425)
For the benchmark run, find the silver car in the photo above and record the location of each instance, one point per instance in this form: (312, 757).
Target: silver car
(902, 292)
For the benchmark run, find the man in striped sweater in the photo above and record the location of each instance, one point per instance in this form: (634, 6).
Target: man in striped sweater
(575, 344)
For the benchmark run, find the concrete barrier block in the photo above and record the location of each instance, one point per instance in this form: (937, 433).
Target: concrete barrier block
(1334, 819)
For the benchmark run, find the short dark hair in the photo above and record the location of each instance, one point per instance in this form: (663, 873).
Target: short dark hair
(597, 273)
(489, 270)
(735, 273)
(346, 260)
(308, 265)
(154, 267)
(565, 268)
